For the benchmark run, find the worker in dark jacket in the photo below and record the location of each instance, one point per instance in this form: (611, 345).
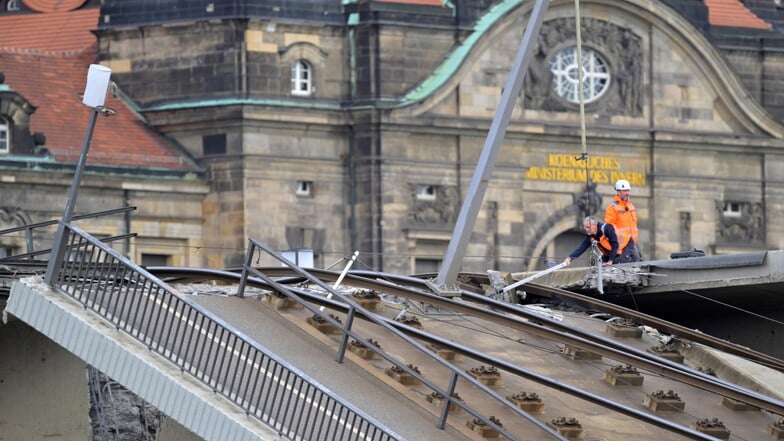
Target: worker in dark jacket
(604, 236)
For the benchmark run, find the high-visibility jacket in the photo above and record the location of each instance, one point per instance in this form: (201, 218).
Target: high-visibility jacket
(607, 242)
(622, 215)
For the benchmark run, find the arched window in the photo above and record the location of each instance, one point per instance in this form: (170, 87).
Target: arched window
(301, 74)
(5, 136)
(596, 77)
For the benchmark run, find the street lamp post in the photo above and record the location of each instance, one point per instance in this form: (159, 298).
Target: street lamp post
(94, 97)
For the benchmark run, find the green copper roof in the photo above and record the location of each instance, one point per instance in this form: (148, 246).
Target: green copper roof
(456, 58)
(250, 101)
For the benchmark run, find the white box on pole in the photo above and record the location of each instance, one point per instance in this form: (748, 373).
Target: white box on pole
(97, 85)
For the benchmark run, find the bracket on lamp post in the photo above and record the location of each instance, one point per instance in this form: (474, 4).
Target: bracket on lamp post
(94, 97)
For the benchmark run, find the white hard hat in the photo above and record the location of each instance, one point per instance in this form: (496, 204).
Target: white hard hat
(622, 184)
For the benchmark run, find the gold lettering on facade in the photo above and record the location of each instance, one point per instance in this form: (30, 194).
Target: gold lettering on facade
(568, 168)
(634, 178)
(594, 162)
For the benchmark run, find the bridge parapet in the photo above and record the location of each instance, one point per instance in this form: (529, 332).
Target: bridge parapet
(194, 342)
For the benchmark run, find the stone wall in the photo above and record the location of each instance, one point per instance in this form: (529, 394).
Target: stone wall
(44, 387)
(167, 218)
(398, 107)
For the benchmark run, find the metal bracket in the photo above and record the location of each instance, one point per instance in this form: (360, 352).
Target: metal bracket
(599, 266)
(443, 290)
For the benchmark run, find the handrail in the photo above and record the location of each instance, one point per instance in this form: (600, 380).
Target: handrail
(79, 217)
(28, 229)
(207, 348)
(456, 372)
(49, 250)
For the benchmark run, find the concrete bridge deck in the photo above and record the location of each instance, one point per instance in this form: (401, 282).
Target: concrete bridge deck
(725, 276)
(737, 297)
(404, 409)
(305, 348)
(193, 404)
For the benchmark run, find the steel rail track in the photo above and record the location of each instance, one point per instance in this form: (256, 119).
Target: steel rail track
(472, 283)
(662, 326)
(506, 315)
(175, 276)
(644, 319)
(476, 294)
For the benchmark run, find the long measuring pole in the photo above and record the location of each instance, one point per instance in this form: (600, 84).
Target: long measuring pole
(534, 277)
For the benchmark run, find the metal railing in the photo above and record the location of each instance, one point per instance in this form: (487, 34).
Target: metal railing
(28, 231)
(205, 347)
(448, 394)
(43, 252)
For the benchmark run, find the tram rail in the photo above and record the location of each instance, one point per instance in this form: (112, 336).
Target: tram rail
(598, 305)
(505, 314)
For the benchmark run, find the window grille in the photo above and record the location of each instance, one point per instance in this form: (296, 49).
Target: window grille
(596, 75)
(5, 141)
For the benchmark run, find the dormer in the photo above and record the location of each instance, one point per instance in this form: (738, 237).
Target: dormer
(15, 111)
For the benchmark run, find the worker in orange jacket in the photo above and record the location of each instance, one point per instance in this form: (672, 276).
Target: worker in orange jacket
(603, 235)
(622, 215)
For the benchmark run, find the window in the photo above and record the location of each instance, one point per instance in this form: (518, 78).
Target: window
(213, 144)
(301, 78)
(156, 259)
(5, 141)
(304, 188)
(301, 257)
(12, 5)
(426, 192)
(732, 209)
(596, 78)
(6, 251)
(423, 265)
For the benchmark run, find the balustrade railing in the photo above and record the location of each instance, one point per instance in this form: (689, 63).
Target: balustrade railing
(205, 347)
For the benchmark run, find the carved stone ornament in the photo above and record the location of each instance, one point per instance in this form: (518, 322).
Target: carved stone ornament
(589, 201)
(438, 211)
(621, 47)
(12, 217)
(748, 226)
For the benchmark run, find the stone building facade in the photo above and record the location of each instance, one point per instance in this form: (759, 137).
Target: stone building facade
(43, 127)
(341, 126)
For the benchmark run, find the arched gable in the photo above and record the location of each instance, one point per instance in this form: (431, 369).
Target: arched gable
(680, 82)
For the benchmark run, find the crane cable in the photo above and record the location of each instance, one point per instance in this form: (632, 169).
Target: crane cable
(581, 97)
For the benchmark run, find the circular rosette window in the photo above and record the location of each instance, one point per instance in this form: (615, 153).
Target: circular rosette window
(596, 75)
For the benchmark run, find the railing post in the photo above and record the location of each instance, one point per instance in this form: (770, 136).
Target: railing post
(57, 255)
(29, 239)
(244, 277)
(344, 339)
(450, 390)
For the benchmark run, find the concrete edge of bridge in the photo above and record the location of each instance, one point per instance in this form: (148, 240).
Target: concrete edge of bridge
(748, 374)
(128, 361)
